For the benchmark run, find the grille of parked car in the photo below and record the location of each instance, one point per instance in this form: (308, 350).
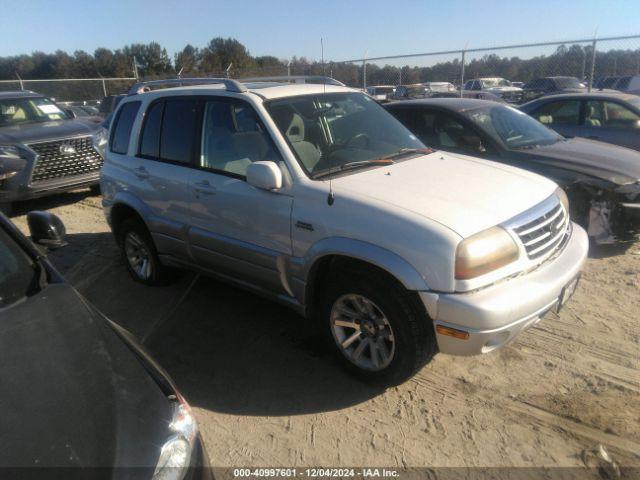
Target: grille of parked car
(64, 158)
(546, 233)
(512, 96)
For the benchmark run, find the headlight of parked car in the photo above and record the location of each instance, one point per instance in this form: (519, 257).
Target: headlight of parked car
(100, 139)
(11, 161)
(564, 200)
(484, 252)
(175, 455)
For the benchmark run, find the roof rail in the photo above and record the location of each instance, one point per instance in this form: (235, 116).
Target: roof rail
(315, 79)
(230, 85)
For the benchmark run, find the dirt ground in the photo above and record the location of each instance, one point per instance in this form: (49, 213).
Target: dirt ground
(267, 393)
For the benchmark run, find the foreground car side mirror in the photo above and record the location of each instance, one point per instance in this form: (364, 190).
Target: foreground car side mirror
(264, 175)
(46, 229)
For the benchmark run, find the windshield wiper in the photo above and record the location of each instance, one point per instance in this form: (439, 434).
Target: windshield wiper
(352, 166)
(407, 151)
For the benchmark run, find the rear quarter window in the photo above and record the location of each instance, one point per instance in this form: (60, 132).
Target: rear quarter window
(121, 127)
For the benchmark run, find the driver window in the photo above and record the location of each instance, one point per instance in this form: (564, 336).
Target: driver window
(566, 112)
(611, 115)
(451, 134)
(232, 138)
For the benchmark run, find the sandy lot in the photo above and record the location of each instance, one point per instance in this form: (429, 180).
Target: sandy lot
(267, 393)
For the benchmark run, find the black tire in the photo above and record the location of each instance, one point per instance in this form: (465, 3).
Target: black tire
(157, 274)
(95, 190)
(6, 208)
(412, 329)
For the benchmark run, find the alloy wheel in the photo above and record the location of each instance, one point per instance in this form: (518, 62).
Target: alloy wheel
(362, 332)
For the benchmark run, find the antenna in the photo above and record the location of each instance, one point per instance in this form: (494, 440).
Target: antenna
(331, 197)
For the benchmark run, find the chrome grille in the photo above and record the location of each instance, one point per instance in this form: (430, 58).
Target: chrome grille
(64, 158)
(544, 234)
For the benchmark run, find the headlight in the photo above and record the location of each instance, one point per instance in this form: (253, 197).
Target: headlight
(484, 252)
(564, 200)
(9, 151)
(100, 139)
(175, 455)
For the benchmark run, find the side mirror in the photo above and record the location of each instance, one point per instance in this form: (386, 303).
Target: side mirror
(70, 113)
(46, 229)
(265, 175)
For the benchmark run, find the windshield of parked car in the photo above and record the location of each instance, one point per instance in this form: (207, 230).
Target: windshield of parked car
(515, 128)
(18, 273)
(495, 82)
(327, 131)
(569, 82)
(14, 111)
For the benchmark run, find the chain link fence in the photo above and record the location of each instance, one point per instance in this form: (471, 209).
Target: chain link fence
(590, 60)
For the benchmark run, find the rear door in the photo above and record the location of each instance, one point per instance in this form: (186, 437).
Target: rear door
(611, 122)
(237, 229)
(561, 115)
(164, 160)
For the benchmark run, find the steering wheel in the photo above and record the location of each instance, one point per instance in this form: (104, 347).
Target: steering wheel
(359, 140)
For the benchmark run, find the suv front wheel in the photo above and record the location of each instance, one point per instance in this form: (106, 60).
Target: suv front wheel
(378, 329)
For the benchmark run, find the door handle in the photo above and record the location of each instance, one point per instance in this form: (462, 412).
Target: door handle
(204, 187)
(141, 173)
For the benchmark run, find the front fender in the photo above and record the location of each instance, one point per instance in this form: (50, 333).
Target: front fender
(303, 268)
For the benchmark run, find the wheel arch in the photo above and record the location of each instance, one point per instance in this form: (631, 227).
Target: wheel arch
(324, 254)
(123, 207)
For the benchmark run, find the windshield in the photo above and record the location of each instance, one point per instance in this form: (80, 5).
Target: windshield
(15, 111)
(495, 82)
(569, 82)
(515, 128)
(327, 131)
(18, 275)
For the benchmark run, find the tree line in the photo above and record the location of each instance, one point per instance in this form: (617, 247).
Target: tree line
(228, 56)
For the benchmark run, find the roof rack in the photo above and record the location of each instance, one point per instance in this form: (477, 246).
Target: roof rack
(230, 85)
(314, 79)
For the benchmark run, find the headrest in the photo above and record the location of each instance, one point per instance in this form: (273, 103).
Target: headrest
(295, 131)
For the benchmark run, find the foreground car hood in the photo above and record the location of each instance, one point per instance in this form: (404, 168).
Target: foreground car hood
(38, 132)
(463, 193)
(72, 392)
(597, 159)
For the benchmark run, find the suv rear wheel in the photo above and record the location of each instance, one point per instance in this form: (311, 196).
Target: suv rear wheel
(139, 253)
(378, 329)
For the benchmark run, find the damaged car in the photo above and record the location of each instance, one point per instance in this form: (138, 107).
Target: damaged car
(601, 180)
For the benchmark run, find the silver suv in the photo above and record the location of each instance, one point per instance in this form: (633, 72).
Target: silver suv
(313, 195)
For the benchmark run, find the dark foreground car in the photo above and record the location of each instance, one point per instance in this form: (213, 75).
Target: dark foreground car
(601, 180)
(608, 117)
(44, 150)
(79, 393)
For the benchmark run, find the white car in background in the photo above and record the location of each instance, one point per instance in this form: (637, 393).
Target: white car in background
(315, 196)
(498, 86)
(440, 87)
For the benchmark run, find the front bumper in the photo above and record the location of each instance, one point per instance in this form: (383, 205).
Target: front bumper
(19, 188)
(495, 315)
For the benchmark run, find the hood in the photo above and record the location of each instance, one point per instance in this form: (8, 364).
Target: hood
(616, 164)
(73, 393)
(41, 132)
(463, 193)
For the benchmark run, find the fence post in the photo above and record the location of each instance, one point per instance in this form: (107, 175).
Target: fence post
(104, 86)
(289, 68)
(364, 73)
(399, 75)
(593, 63)
(135, 67)
(20, 80)
(584, 63)
(462, 74)
(228, 69)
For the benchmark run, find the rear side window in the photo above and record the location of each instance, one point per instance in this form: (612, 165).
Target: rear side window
(150, 139)
(122, 125)
(178, 130)
(566, 112)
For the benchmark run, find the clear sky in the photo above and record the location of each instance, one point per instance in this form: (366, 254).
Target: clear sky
(285, 28)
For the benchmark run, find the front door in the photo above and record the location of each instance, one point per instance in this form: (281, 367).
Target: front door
(236, 229)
